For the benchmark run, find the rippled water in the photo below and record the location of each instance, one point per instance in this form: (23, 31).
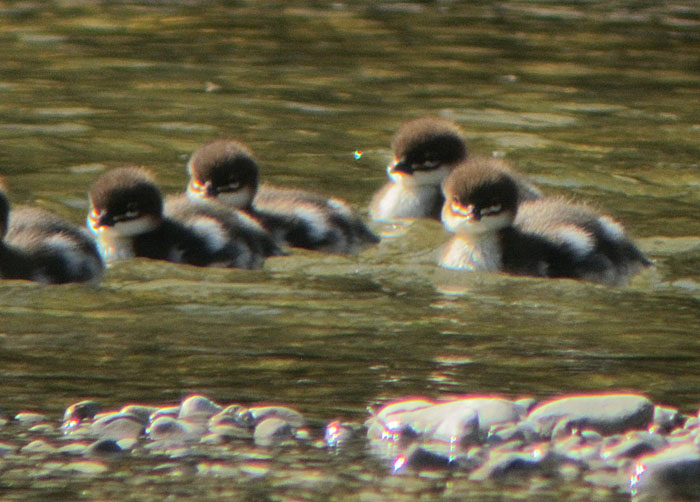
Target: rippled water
(596, 100)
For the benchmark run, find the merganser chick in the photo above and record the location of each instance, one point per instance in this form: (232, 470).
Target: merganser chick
(37, 245)
(243, 242)
(226, 170)
(425, 150)
(126, 215)
(542, 238)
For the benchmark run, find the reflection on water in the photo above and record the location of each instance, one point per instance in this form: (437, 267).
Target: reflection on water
(593, 101)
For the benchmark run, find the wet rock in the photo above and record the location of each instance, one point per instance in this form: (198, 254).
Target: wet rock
(42, 428)
(633, 445)
(38, 446)
(378, 423)
(78, 413)
(461, 421)
(666, 419)
(271, 431)
(506, 464)
(117, 426)
(103, 447)
(86, 467)
(27, 419)
(167, 428)
(198, 408)
(139, 411)
(501, 433)
(604, 413)
(234, 421)
(672, 473)
(7, 449)
(167, 411)
(292, 417)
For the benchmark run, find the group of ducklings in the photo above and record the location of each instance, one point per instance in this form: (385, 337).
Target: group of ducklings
(500, 220)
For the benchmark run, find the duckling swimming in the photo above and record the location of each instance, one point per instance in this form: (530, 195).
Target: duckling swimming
(127, 217)
(37, 245)
(226, 170)
(425, 150)
(541, 238)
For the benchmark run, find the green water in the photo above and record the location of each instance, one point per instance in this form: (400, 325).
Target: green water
(593, 100)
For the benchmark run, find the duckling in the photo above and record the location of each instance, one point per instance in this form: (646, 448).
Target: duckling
(128, 219)
(425, 150)
(227, 171)
(541, 238)
(39, 246)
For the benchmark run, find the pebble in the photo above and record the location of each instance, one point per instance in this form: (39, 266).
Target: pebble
(27, 419)
(605, 413)
(605, 440)
(271, 431)
(117, 426)
(672, 473)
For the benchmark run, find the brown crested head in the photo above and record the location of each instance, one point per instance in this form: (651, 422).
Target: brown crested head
(482, 182)
(429, 142)
(126, 193)
(222, 166)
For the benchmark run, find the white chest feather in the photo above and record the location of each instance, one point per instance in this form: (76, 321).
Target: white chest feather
(400, 201)
(114, 247)
(472, 254)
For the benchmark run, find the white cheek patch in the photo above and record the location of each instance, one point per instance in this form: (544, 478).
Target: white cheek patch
(239, 199)
(581, 242)
(434, 177)
(460, 222)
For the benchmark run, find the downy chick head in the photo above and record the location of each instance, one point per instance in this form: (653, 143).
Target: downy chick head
(425, 151)
(125, 202)
(226, 170)
(481, 196)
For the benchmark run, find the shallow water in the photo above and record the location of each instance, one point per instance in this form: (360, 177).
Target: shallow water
(597, 101)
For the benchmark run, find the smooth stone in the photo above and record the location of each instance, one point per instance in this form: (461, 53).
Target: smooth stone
(228, 426)
(38, 446)
(166, 428)
(633, 445)
(506, 464)
(605, 413)
(523, 431)
(103, 447)
(672, 473)
(116, 426)
(463, 420)
(27, 419)
(6, 449)
(85, 467)
(167, 411)
(272, 431)
(198, 408)
(666, 419)
(76, 448)
(140, 411)
(42, 428)
(292, 417)
(77, 413)
(378, 423)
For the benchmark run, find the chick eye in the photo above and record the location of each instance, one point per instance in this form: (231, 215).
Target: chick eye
(132, 207)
